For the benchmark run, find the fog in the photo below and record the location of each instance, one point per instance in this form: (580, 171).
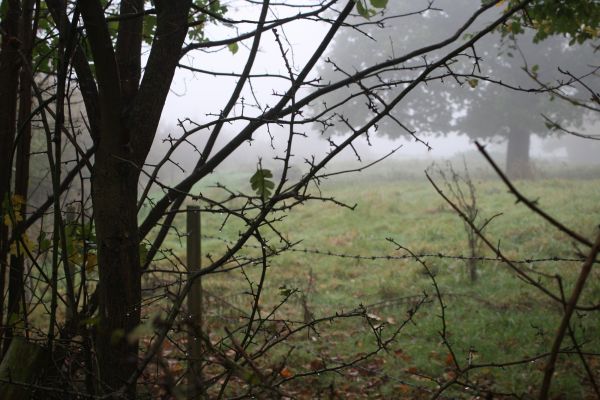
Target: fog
(200, 97)
(552, 153)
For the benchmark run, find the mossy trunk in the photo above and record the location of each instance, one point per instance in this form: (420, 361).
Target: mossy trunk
(21, 370)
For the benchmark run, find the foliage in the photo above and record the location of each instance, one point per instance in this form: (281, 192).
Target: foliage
(364, 10)
(262, 183)
(578, 20)
(479, 100)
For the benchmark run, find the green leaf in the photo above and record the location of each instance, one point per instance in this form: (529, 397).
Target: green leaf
(149, 28)
(91, 321)
(117, 335)
(379, 3)
(15, 321)
(250, 377)
(214, 6)
(473, 83)
(233, 47)
(44, 242)
(143, 249)
(3, 9)
(534, 70)
(285, 291)
(144, 329)
(516, 27)
(261, 183)
(113, 27)
(361, 9)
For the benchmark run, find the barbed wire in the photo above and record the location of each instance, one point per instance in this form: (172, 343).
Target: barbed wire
(395, 257)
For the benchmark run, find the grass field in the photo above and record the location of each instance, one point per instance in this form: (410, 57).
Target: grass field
(497, 319)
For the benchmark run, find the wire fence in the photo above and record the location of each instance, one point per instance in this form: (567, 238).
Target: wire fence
(391, 257)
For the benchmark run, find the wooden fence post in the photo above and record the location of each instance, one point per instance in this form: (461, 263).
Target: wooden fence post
(194, 305)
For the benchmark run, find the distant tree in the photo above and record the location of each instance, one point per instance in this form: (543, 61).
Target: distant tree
(492, 97)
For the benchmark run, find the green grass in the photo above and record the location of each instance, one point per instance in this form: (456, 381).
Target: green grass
(497, 319)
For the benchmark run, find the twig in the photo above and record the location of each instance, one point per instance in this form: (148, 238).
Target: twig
(531, 204)
(564, 324)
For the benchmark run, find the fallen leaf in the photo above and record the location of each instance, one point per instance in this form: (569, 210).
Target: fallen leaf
(402, 355)
(286, 373)
(449, 375)
(317, 364)
(404, 389)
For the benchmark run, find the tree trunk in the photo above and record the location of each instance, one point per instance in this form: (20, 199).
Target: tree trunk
(9, 69)
(16, 305)
(518, 165)
(128, 120)
(24, 363)
(114, 196)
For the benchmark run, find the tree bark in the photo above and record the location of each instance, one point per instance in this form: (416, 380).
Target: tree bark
(129, 114)
(9, 70)
(114, 194)
(518, 165)
(17, 261)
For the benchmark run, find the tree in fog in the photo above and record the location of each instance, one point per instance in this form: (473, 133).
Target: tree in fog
(487, 94)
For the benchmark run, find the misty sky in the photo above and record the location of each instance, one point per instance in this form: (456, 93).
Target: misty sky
(195, 95)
